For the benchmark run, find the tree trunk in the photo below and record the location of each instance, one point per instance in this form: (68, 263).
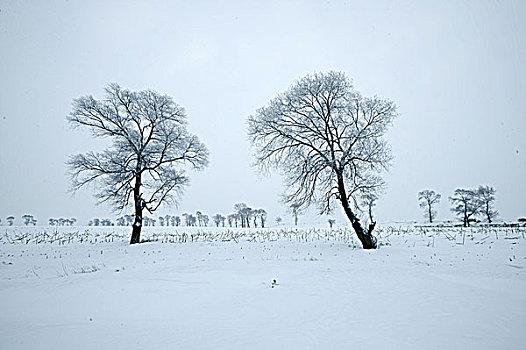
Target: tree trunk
(366, 237)
(430, 214)
(137, 224)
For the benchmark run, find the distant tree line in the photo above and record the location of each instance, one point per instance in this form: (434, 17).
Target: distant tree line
(62, 222)
(243, 216)
(469, 205)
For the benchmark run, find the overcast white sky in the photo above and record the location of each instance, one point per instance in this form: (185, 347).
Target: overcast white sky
(456, 70)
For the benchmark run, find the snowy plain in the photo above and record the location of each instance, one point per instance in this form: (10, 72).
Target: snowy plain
(276, 288)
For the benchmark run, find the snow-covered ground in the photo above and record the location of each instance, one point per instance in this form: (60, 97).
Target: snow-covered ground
(86, 288)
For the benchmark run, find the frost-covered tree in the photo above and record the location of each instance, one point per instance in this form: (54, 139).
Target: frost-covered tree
(29, 219)
(328, 141)
(190, 220)
(244, 213)
(262, 215)
(218, 218)
(205, 220)
(233, 219)
(486, 195)
(296, 210)
(151, 147)
(428, 200)
(200, 218)
(466, 204)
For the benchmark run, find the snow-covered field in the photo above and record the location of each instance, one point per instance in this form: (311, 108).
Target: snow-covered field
(86, 288)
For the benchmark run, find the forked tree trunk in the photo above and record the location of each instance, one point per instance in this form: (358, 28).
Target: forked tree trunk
(137, 223)
(366, 237)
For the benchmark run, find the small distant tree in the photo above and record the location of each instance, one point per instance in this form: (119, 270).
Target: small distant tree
(466, 205)
(147, 221)
(177, 221)
(53, 222)
(186, 219)
(486, 196)
(151, 146)
(279, 220)
(429, 200)
(296, 210)
(262, 215)
(27, 218)
(193, 220)
(331, 223)
(244, 213)
(205, 219)
(121, 221)
(218, 218)
(369, 199)
(96, 221)
(10, 220)
(190, 220)
(199, 217)
(129, 219)
(232, 219)
(161, 220)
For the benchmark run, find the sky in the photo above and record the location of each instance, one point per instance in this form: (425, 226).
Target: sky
(455, 69)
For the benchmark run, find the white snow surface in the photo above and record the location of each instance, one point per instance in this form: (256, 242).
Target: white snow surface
(87, 288)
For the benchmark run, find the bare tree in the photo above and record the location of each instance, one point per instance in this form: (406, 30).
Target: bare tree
(205, 220)
(244, 213)
(486, 195)
(218, 218)
(29, 219)
(466, 205)
(331, 223)
(262, 215)
(296, 210)
(428, 200)
(233, 219)
(150, 145)
(328, 140)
